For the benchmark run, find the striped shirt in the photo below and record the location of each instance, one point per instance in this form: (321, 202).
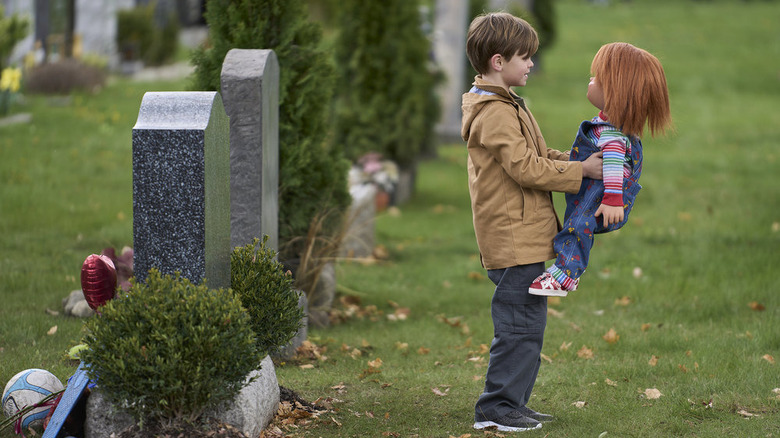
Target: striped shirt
(617, 163)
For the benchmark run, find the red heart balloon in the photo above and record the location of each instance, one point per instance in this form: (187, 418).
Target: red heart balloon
(98, 280)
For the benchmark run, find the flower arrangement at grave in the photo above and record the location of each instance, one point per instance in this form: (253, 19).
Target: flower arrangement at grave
(382, 173)
(10, 83)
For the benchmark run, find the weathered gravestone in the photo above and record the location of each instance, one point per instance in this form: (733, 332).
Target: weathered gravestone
(449, 47)
(250, 89)
(181, 187)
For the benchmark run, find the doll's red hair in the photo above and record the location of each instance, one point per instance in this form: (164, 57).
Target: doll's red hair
(634, 87)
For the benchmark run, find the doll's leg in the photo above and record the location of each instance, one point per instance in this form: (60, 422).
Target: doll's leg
(572, 244)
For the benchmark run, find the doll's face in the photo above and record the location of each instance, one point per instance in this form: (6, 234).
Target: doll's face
(595, 95)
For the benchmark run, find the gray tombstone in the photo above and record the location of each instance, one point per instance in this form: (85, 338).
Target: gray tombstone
(250, 88)
(181, 187)
(449, 46)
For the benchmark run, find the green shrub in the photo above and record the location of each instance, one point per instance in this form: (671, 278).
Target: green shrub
(386, 98)
(170, 349)
(312, 176)
(12, 30)
(139, 36)
(266, 291)
(64, 76)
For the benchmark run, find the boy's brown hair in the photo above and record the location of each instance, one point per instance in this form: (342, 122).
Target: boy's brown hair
(498, 33)
(634, 87)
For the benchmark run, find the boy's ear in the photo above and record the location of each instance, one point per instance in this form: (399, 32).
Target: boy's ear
(497, 62)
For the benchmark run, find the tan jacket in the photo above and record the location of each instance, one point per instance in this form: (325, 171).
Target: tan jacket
(511, 173)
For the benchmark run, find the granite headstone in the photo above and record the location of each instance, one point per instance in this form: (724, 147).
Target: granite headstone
(181, 187)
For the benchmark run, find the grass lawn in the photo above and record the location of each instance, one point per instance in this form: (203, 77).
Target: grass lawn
(681, 301)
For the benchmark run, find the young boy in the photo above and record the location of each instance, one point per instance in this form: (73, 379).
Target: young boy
(511, 173)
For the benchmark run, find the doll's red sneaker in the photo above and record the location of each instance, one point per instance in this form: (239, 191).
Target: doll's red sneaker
(546, 285)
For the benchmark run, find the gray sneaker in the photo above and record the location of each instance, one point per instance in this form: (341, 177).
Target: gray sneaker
(511, 422)
(528, 412)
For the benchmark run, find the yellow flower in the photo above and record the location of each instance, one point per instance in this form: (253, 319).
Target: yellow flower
(11, 79)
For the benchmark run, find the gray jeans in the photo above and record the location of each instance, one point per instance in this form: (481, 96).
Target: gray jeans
(519, 319)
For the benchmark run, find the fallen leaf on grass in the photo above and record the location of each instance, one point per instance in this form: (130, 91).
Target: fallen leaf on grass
(768, 358)
(611, 336)
(652, 394)
(637, 272)
(554, 313)
(746, 414)
(473, 275)
(585, 353)
(623, 301)
(381, 253)
(403, 346)
(439, 392)
(565, 346)
(646, 327)
(755, 305)
(546, 358)
(579, 404)
(306, 366)
(422, 351)
(653, 360)
(610, 382)
(52, 331)
(776, 391)
(376, 363)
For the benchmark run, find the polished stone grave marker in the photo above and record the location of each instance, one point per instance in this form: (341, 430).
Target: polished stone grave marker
(181, 187)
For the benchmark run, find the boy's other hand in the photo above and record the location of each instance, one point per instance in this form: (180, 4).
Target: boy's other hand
(592, 166)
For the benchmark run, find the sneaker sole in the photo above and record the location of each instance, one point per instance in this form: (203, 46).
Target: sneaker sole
(548, 292)
(485, 424)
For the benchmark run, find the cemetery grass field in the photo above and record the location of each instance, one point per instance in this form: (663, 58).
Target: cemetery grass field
(682, 303)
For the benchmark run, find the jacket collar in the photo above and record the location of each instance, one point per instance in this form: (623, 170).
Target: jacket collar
(498, 90)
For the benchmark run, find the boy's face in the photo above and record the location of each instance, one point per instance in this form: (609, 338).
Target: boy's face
(515, 70)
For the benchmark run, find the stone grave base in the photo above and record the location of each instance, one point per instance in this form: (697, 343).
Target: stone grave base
(250, 412)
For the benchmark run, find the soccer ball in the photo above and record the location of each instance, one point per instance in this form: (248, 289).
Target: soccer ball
(28, 388)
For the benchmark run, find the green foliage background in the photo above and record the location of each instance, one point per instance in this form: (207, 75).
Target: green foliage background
(386, 98)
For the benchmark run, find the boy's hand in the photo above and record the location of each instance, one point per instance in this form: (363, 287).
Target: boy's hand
(611, 215)
(592, 166)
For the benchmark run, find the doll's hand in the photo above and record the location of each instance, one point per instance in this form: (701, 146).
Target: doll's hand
(611, 215)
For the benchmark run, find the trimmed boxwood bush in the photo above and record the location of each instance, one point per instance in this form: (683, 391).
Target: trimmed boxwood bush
(169, 349)
(266, 291)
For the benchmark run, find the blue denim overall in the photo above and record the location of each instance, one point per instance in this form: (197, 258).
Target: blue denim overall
(574, 242)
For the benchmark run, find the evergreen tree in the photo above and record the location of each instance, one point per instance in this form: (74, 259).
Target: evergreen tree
(312, 177)
(385, 99)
